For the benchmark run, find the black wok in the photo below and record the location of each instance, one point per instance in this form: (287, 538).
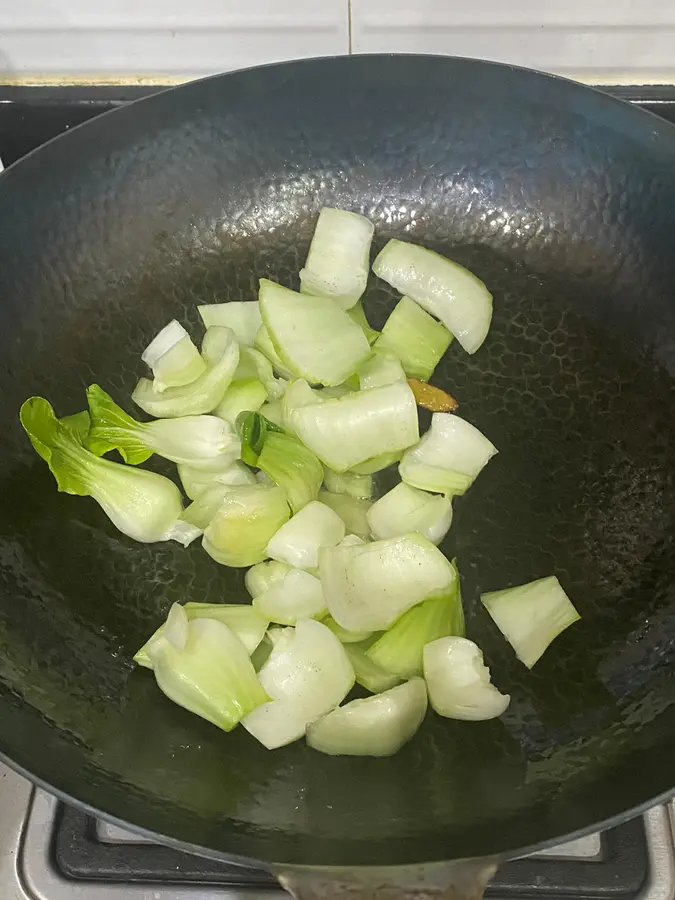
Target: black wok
(563, 201)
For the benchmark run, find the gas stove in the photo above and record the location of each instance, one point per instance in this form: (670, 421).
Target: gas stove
(50, 851)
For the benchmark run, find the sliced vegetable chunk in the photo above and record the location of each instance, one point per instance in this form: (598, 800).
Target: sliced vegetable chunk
(297, 543)
(173, 358)
(243, 317)
(415, 338)
(531, 616)
(404, 509)
(459, 683)
(246, 520)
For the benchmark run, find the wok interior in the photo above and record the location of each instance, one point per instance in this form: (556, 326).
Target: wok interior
(562, 202)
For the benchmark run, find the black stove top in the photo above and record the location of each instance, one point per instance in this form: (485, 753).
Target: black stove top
(620, 867)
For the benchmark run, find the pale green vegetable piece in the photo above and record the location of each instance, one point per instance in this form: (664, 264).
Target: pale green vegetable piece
(441, 287)
(195, 481)
(198, 441)
(273, 412)
(358, 315)
(380, 369)
(254, 364)
(404, 509)
(246, 520)
(202, 510)
(377, 463)
(459, 683)
(370, 586)
(352, 511)
(297, 543)
(173, 358)
(141, 504)
(337, 262)
(399, 650)
(359, 426)
(376, 726)
(263, 343)
(210, 674)
(293, 467)
(264, 575)
(415, 338)
(312, 335)
(368, 674)
(297, 596)
(358, 486)
(344, 636)
(244, 621)
(243, 317)
(308, 674)
(449, 456)
(244, 395)
(221, 352)
(531, 616)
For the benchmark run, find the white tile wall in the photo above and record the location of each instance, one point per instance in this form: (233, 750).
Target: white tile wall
(610, 41)
(629, 41)
(160, 40)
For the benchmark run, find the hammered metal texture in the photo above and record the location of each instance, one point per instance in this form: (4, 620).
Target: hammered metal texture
(563, 201)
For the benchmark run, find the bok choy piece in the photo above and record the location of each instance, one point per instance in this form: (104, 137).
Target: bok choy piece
(202, 666)
(344, 636)
(243, 317)
(404, 509)
(359, 426)
(448, 458)
(297, 596)
(415, 338)
(243, 620)
(459, 683)
(312, 335)
(399, 650)
(531, 616)
(264, 575)
(191, 440)
(307, 674)
(221, 351)
(195, 480)
(297, 543)
(263, 343)
(352, 511)
(246, 520)
(243, 395)
(202, 510)
(441, 287)
(375, 726)
(293, 467)
(358, 315)
(358, 486)
(337, 262)
(254, 364)
(370, 586)
(143, 505)
(173, 358)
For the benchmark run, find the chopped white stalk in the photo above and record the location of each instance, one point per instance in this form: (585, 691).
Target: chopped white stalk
(359, 426)
(210, 674)
(441, 287)
(376, 726)
(298, 542)
(369, 674)
(415, 338)
(244, 395)
(353, 512)
(195, 480)
(221, 351)
(312, 335)
(298, 596)
(459, 683)
(531, 616)
(344, 636)
(246, 520)
(173, 358)
(265, 575)
(370, 586)
(243, 317)
(254, 364)
(202, 510)
(358, 486)
(405, 509)
(449, 456)
(337, 262)
(307, 674)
